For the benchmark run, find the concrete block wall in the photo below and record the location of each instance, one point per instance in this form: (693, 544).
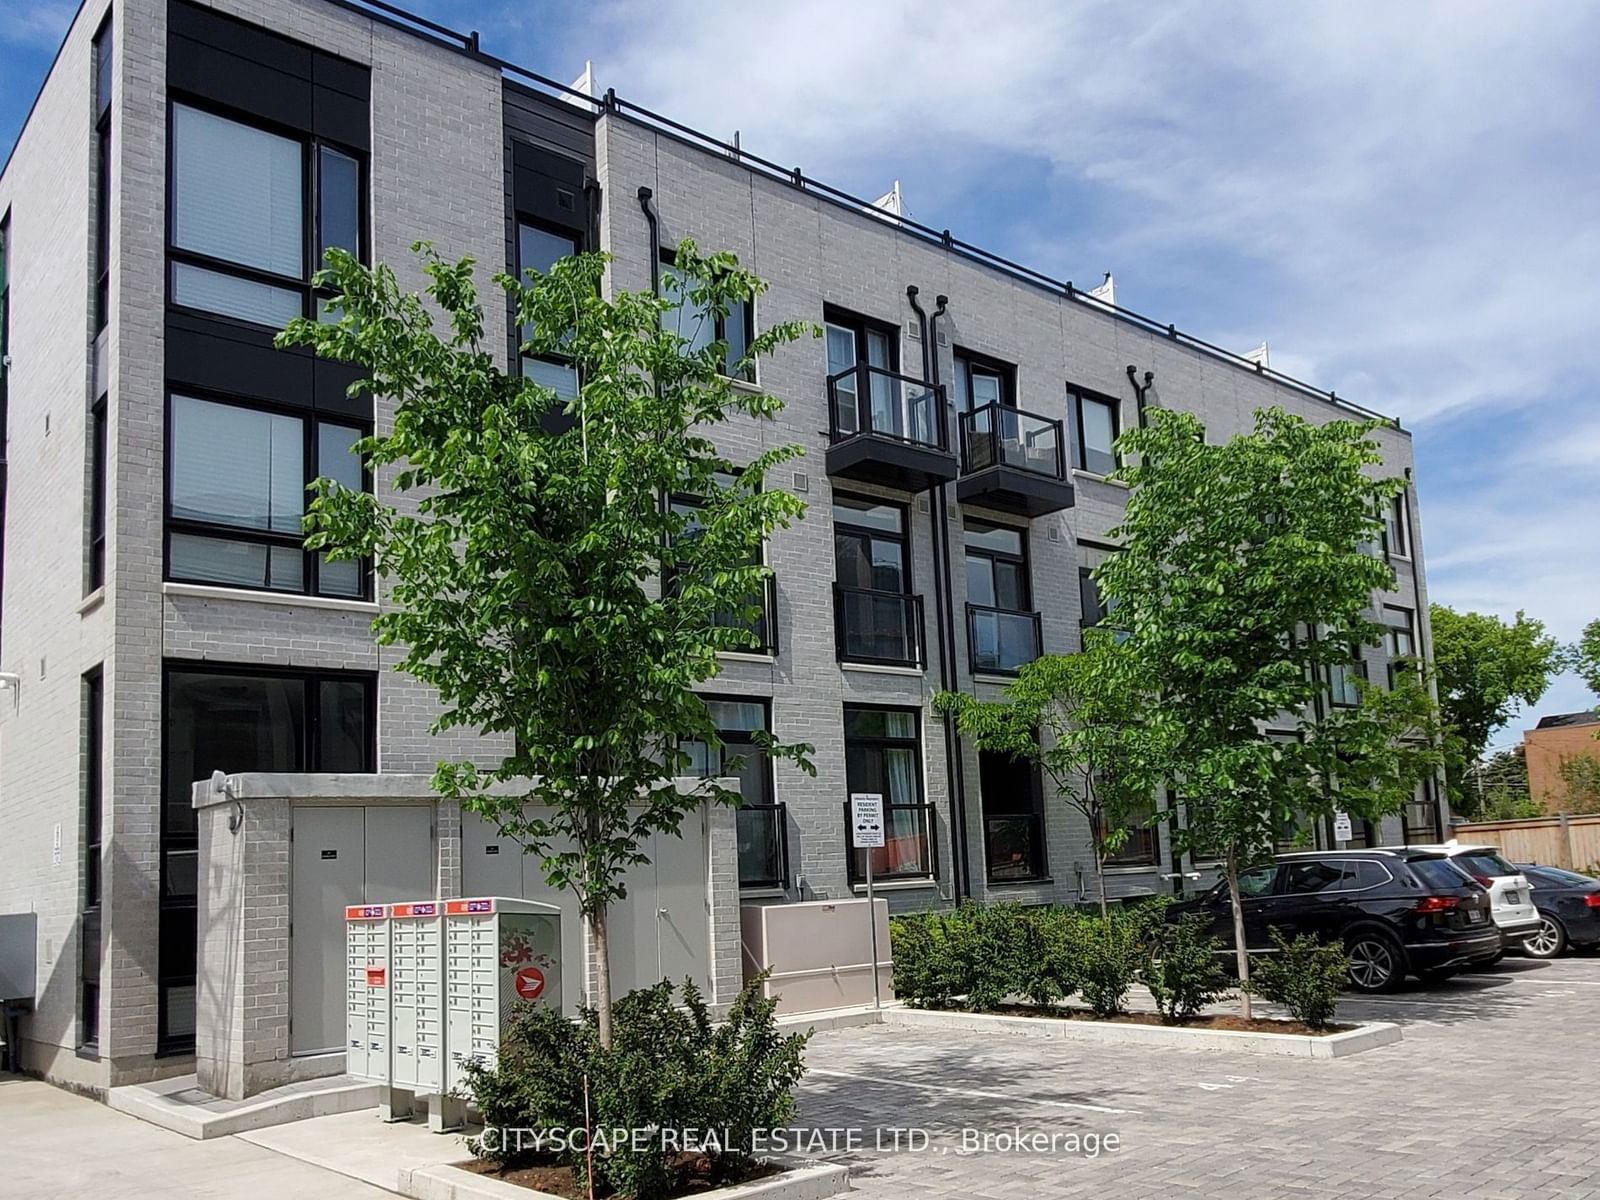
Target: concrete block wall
(50, 632)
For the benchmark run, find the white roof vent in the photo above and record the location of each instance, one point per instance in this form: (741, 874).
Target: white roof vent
(1107, 291)
(1261, 356)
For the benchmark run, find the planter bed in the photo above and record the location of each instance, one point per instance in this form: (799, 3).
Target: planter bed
(1214, 1032)
(773, 1179)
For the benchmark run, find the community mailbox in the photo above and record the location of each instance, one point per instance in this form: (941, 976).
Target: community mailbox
(432, 985)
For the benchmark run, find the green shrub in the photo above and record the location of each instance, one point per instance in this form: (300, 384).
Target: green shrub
(1181, 970)
(669, 1067)
(1106, 952)
(1046, 963)
(1304, 976)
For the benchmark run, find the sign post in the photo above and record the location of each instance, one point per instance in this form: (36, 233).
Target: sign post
(867, 833)
(1343, 830)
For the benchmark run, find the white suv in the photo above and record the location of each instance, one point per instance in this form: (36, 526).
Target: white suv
(1510, 893)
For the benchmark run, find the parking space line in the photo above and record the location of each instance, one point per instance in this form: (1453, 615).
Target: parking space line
(972, 1092)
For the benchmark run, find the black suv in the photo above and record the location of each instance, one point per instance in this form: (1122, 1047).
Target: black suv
(1398, 912)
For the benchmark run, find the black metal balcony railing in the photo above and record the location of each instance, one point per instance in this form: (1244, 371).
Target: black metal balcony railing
(909, 850)
(878, 627)
(765, 626)
(1014, 846)
(1000, 641)
(882, 403)
(763, 831)
(998, 435)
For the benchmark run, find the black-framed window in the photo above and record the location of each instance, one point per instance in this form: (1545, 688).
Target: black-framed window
(97, 495)
(1396, 539)
(234, 719)
(1342, 689)
(89, 926)
(883, 754)
(1002, 626)
(1094, 607)
(699, 327)
(538, 249)
(1400, 636)
(104, 58)
(236, 495)
(1013, 818)
(982, 381)
(1141, 846)
(1096, 425)
(877, 615)
(251, 210)
(761, 823)
(853, 341)
(764, 627)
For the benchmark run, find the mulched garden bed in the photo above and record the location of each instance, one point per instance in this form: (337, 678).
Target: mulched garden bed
(694, 1176)
(1225, 1022)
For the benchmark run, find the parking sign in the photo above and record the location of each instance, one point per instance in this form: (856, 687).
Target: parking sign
(866, 819)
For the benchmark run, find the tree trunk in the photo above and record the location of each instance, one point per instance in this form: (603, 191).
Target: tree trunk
(1240, 949)
(1100, 878)
(602, 972)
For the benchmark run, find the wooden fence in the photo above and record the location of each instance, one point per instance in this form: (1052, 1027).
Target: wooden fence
(1562, 840)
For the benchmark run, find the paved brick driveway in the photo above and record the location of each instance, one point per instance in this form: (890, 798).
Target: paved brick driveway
(1495, 1092)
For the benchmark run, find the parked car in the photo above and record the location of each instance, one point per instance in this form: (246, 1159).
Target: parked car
(1569, 910)
(1510, 893)
(1398, 912)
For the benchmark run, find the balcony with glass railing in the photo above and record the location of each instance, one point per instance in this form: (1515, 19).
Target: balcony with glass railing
(878, 627)
(1001, 641)
(887, 428)
(1014, 461)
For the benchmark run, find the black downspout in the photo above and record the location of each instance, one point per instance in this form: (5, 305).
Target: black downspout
(945, 604)
(1441, 782)
(951, 748)
(655, 238)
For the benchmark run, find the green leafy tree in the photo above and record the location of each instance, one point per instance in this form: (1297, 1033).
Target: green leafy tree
(1242, 581)
(1485, 667)
(1580, 774)
(1586, 655)
(1498, 788)
(1081, 719)
(537, 578)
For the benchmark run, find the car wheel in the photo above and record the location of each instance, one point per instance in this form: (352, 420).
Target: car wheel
(1549, 942)
(1375, 962)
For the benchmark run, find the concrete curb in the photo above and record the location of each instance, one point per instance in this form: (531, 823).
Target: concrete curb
(834, 1018)
(1367, 1036)
(802, 1181)
(201, 1124)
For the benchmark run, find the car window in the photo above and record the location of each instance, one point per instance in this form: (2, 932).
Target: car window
(1303, 878)
(1366, 874)
(1257, 881)
(1556, 877)
(1485, 862)
(1438, 873)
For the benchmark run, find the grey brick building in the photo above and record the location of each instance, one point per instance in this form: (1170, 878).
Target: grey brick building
(184, 165)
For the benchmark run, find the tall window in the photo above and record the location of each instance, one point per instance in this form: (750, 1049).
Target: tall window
(698, 326)
(240, 719)
(1396, 543)
(1342, 689)
(761, 834)
(878, 618)
(883, 754)
(1094, 607)
(1098, 424)
(89, 926)
(1001, 623)
(103, 59)
(1013, 818)
(97, 495)
(538, 250)
(981, 382)
(763, 627)
(1141, 845)
(236, 479)
(854, 343)
(246, 206)
(1400, 636)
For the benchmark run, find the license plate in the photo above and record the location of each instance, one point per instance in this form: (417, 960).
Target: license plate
(1512, 897)
(1475, 916)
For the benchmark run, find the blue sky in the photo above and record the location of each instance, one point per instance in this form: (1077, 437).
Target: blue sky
(1400, 198)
